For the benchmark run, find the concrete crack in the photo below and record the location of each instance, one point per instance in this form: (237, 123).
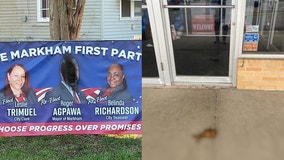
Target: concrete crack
(215, 109)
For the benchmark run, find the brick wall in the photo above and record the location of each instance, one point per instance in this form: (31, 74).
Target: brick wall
(260, 74)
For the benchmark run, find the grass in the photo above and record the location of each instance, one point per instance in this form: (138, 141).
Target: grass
(75, 147)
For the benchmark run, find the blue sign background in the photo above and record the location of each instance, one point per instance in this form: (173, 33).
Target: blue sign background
(42, 60)
(251, 37)
(44, 70)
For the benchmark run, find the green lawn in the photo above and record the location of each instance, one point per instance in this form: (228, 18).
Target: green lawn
(81, 147)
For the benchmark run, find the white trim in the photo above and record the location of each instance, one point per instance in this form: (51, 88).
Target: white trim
(203, 79)
(263, 56)
(237, 23)
(158, 35)
(170, 56)
(151, 81)
(39, 15)
(147, 81)
(240, 26)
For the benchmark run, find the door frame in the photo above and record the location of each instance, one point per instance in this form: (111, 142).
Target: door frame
(159, 21)
(160, 46)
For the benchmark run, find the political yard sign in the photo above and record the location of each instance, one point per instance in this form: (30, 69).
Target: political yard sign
(71, 87)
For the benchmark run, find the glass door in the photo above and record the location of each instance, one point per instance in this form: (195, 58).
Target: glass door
(154, 66)
(149, 65)
(200, 38)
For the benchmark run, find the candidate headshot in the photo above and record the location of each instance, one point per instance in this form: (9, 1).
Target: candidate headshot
(117, 85)
(17, 86)
(67, 90)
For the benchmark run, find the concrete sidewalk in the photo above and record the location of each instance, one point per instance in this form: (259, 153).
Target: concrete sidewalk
(250, 124)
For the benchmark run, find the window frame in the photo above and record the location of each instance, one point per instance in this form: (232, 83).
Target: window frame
(132, 10)
(255, 54)
(40, 17)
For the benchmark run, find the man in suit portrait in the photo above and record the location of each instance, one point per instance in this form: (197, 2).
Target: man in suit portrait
(67, 91)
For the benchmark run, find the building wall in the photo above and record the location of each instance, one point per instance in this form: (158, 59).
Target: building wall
(92, 21)
(12, 27)
(260, 74)
(100, 21)
(114, 26)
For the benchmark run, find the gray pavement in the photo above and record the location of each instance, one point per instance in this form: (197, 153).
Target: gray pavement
(249, 124)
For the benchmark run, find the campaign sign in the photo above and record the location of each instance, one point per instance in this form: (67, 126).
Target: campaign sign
(250, 41)
(71, 87)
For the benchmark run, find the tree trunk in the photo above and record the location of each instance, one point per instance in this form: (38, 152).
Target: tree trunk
(65, 19)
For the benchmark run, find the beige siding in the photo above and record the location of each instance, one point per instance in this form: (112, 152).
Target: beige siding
(92, 21)
(114, 26)
(12, 27)
(101, 21)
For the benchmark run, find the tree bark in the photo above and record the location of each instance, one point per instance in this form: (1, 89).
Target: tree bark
(77, 19)
(65, 19)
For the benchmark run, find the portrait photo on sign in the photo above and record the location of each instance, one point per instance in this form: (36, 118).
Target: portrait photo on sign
(60, 87)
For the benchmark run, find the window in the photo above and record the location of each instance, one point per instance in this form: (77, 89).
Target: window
(264, 27)
(43, 10)
(131, 9)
